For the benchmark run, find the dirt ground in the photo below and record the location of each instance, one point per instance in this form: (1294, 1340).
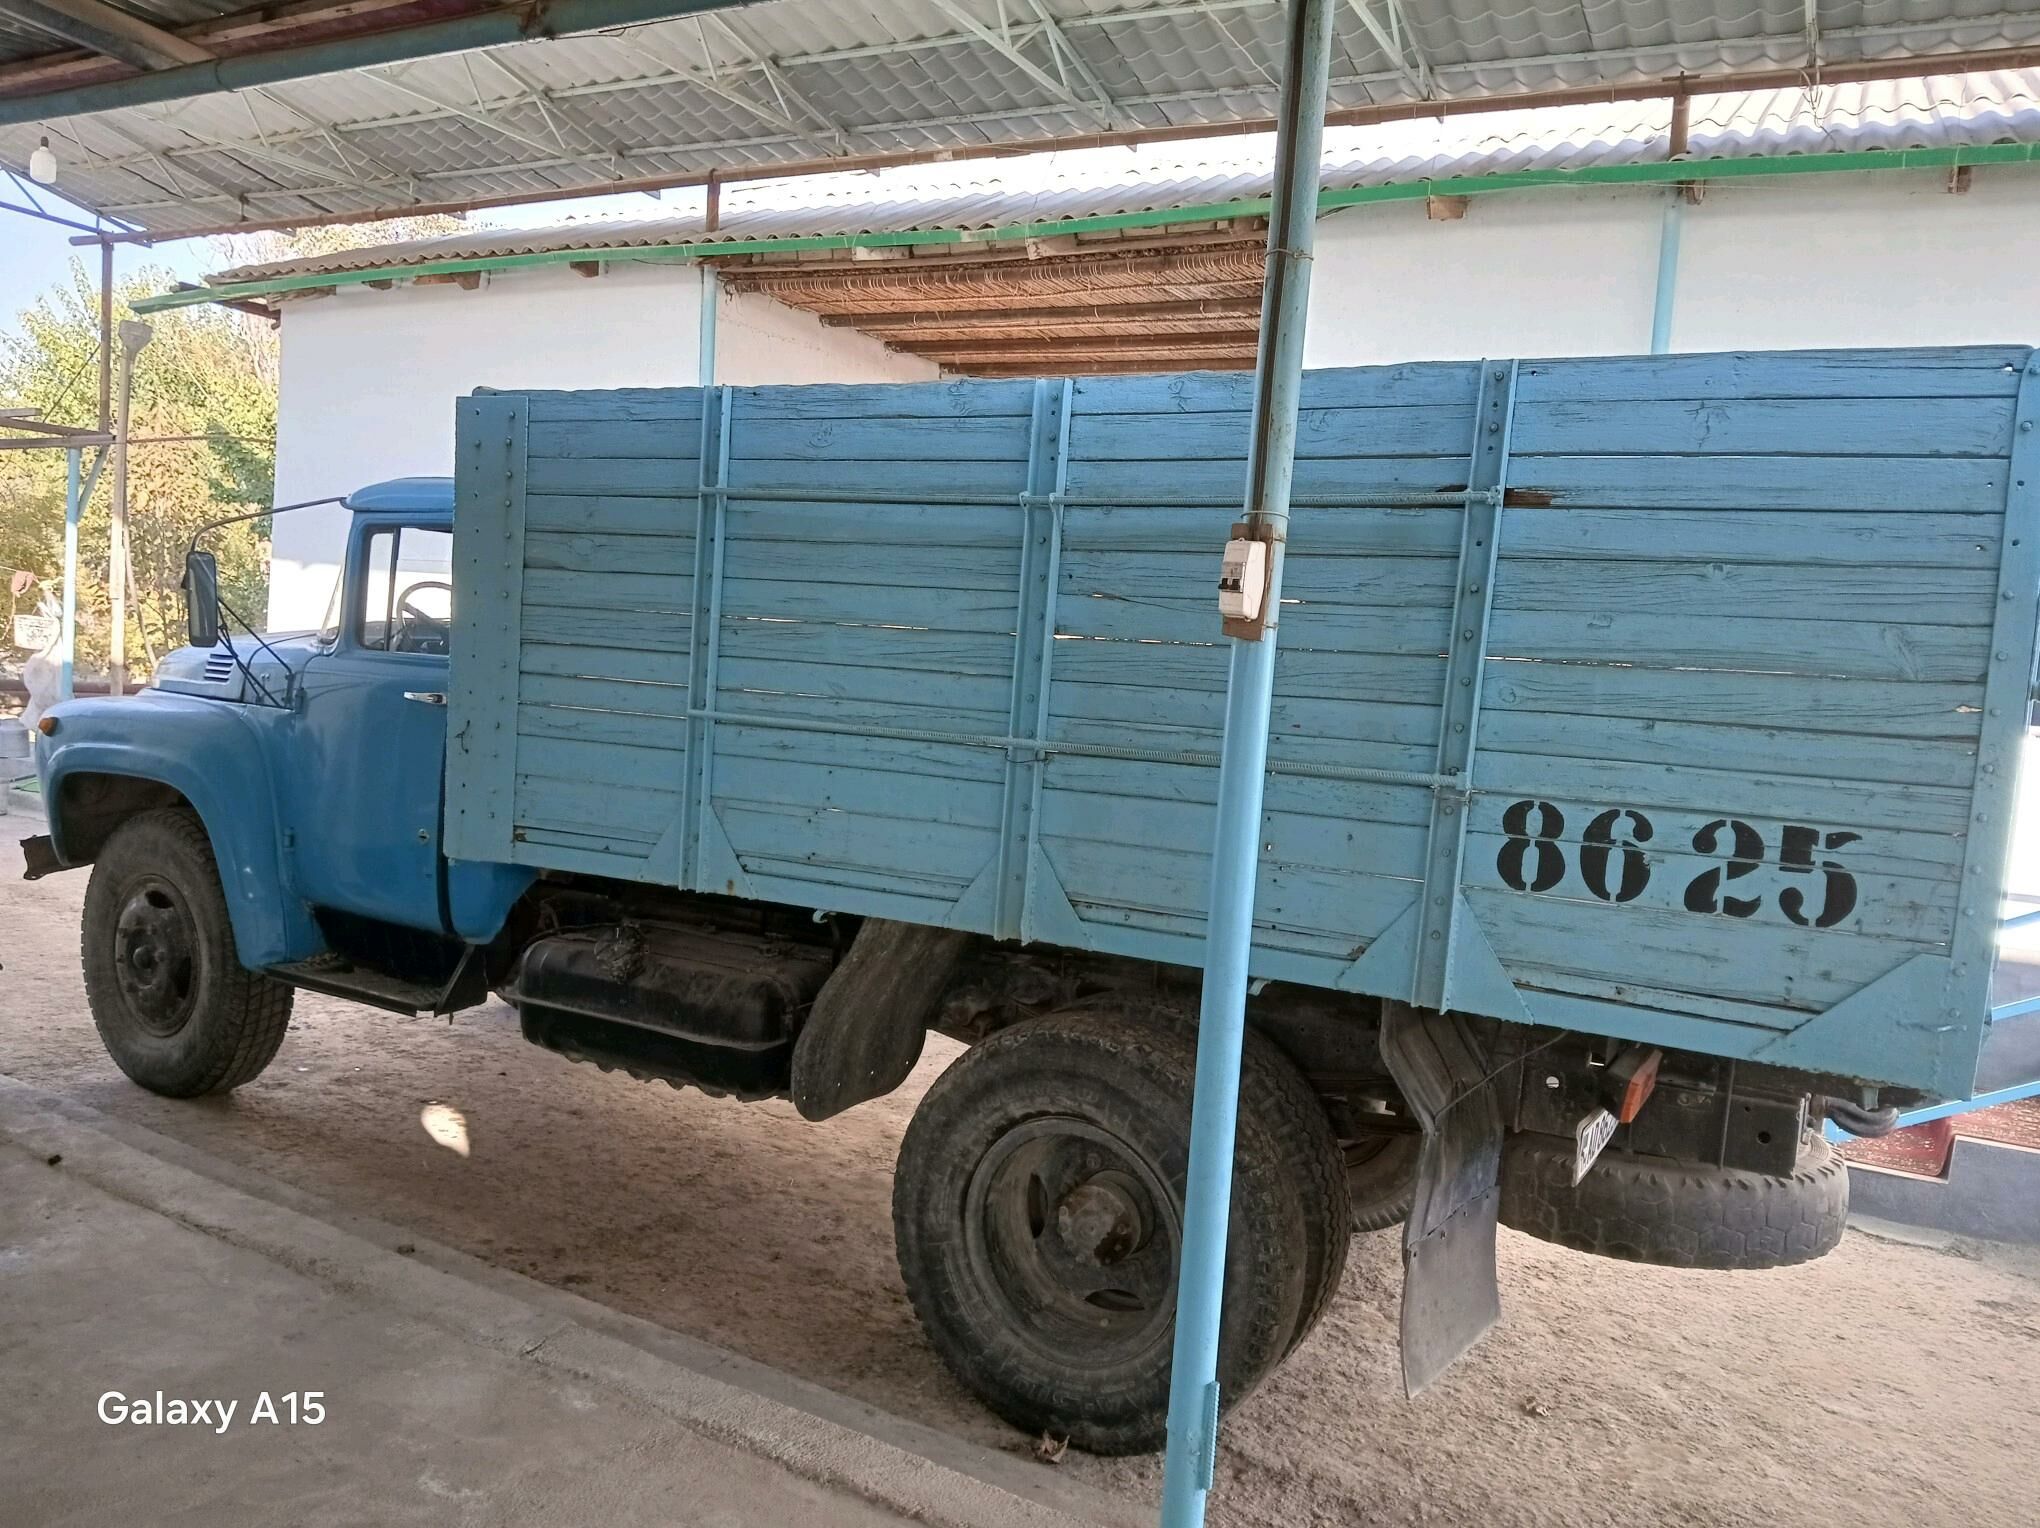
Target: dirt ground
(1887, 1384)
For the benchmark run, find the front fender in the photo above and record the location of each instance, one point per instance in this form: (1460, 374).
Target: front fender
(211, 754)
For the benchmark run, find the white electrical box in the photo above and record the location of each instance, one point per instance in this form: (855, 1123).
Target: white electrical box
(1243, 580)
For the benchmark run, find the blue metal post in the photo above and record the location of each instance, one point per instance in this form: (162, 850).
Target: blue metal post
(1235, 860)
(711, 290)
(67, 639)
(1667, 273)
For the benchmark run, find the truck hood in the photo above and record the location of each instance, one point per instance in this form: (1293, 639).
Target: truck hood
(212, 673)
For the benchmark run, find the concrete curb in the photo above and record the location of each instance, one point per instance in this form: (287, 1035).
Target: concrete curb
(923, 1474)
(1991, 1193)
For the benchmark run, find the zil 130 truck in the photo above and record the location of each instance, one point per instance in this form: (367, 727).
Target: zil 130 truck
(1643, 755)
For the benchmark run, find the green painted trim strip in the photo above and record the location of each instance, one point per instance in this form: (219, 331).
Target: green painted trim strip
(1657, 173)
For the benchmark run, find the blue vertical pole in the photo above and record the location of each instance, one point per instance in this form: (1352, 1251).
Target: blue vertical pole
(1667, 273)
(67, 639)
(1235, 860)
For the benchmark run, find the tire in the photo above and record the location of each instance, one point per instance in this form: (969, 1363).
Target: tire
(1038, 1207)
(174, 1006)
(1677, 1214)
(1381, 1179)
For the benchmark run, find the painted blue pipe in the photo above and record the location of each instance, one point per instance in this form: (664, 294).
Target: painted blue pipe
(489, 29)
(1667, 273)
(67, 632)
(1235, 859)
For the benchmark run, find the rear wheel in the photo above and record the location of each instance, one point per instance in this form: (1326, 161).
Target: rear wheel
(174, 1006)
(1038, 1210)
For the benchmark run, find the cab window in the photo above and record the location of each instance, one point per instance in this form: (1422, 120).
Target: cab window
(407, 591)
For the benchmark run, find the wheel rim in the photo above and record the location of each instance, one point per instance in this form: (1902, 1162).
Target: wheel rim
(1075, 1236)
(155, 956)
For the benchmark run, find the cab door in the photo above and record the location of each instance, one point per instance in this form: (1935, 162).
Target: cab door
(371, 731)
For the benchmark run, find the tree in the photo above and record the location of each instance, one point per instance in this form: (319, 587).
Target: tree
(203, 434)
(203, 438)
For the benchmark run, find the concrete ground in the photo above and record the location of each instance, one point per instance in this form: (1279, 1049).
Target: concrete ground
(1892, 1382)
(134, 1280)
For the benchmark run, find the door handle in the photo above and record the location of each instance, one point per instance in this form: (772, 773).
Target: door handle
(427, 697)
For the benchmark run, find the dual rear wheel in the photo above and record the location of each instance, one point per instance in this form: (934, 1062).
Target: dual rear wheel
(1038, 1212)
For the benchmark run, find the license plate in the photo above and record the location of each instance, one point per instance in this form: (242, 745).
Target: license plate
(1590, 1135)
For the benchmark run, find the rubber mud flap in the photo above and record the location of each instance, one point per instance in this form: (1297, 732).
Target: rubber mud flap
(39, 858)
(865, 1031)
(1450, 1293)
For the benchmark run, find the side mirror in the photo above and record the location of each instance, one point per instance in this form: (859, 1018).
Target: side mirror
(201, 599)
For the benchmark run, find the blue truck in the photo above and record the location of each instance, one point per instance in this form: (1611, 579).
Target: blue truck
(1639, 793)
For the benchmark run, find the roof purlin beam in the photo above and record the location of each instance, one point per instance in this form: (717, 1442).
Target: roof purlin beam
(775, 76)
(1065, 52)
(101, 28)
(1009, 50)
(1398, 44)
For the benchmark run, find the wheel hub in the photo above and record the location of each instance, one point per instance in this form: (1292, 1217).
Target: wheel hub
(155, 952)
(1075, 1234)
(1100, 1220)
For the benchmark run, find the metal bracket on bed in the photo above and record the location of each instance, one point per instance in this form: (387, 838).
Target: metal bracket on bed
(1450, 1294)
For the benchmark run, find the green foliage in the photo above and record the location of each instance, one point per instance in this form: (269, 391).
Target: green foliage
(204, 431)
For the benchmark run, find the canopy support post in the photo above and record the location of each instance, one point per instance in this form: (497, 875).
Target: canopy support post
(1278, 384)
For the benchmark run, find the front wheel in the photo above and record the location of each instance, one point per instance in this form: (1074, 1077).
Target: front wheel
(174, 1006)
(1038, 1211)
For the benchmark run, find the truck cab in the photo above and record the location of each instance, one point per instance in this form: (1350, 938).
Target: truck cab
(314, 760)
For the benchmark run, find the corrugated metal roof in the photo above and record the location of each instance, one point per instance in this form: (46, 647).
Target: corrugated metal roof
(1932, 113)
(800, 80)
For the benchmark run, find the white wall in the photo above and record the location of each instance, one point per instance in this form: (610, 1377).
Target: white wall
(369, 378)
(1775, 263)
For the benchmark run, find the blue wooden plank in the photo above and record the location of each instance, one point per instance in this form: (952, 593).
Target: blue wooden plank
(1390, 430)
(1855, 706)
(1348, 843)
(607, 627)
(815, 781)
(625, 663)
(1139, 705)
(1786, 750)
(907, 565)
(960, 398)
(1300, 673)
(1417, 384)
(1940, 596)
(655, 440)
(960, 438)
(586, 694)
(941, 854)
(611, 475)
(1306, 795)
(1857, 484)
(671, 556)
(597, 761)
(1736, 639)
(920, 479)
(868, 602)
(1809, 538)
(849, 522)
(679, 406)
(1359, 481)
(1361, 581)
(587, 590)
(900, 760)
(1308, 627)
(642, 814)
(914, 689)
(1664, 427)
(632, 729)
(1537, 937)
(1313, 528)
(628, 516)
(1974, 372)
(876, 647)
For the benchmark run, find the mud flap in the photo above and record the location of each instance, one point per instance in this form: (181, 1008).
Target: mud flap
(1450, 1296)
(864, 1033)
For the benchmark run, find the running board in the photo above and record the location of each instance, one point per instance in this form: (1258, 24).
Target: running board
(392, 994)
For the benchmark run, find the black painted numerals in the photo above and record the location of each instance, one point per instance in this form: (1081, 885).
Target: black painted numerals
(1617, 868)
(1548, 861)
